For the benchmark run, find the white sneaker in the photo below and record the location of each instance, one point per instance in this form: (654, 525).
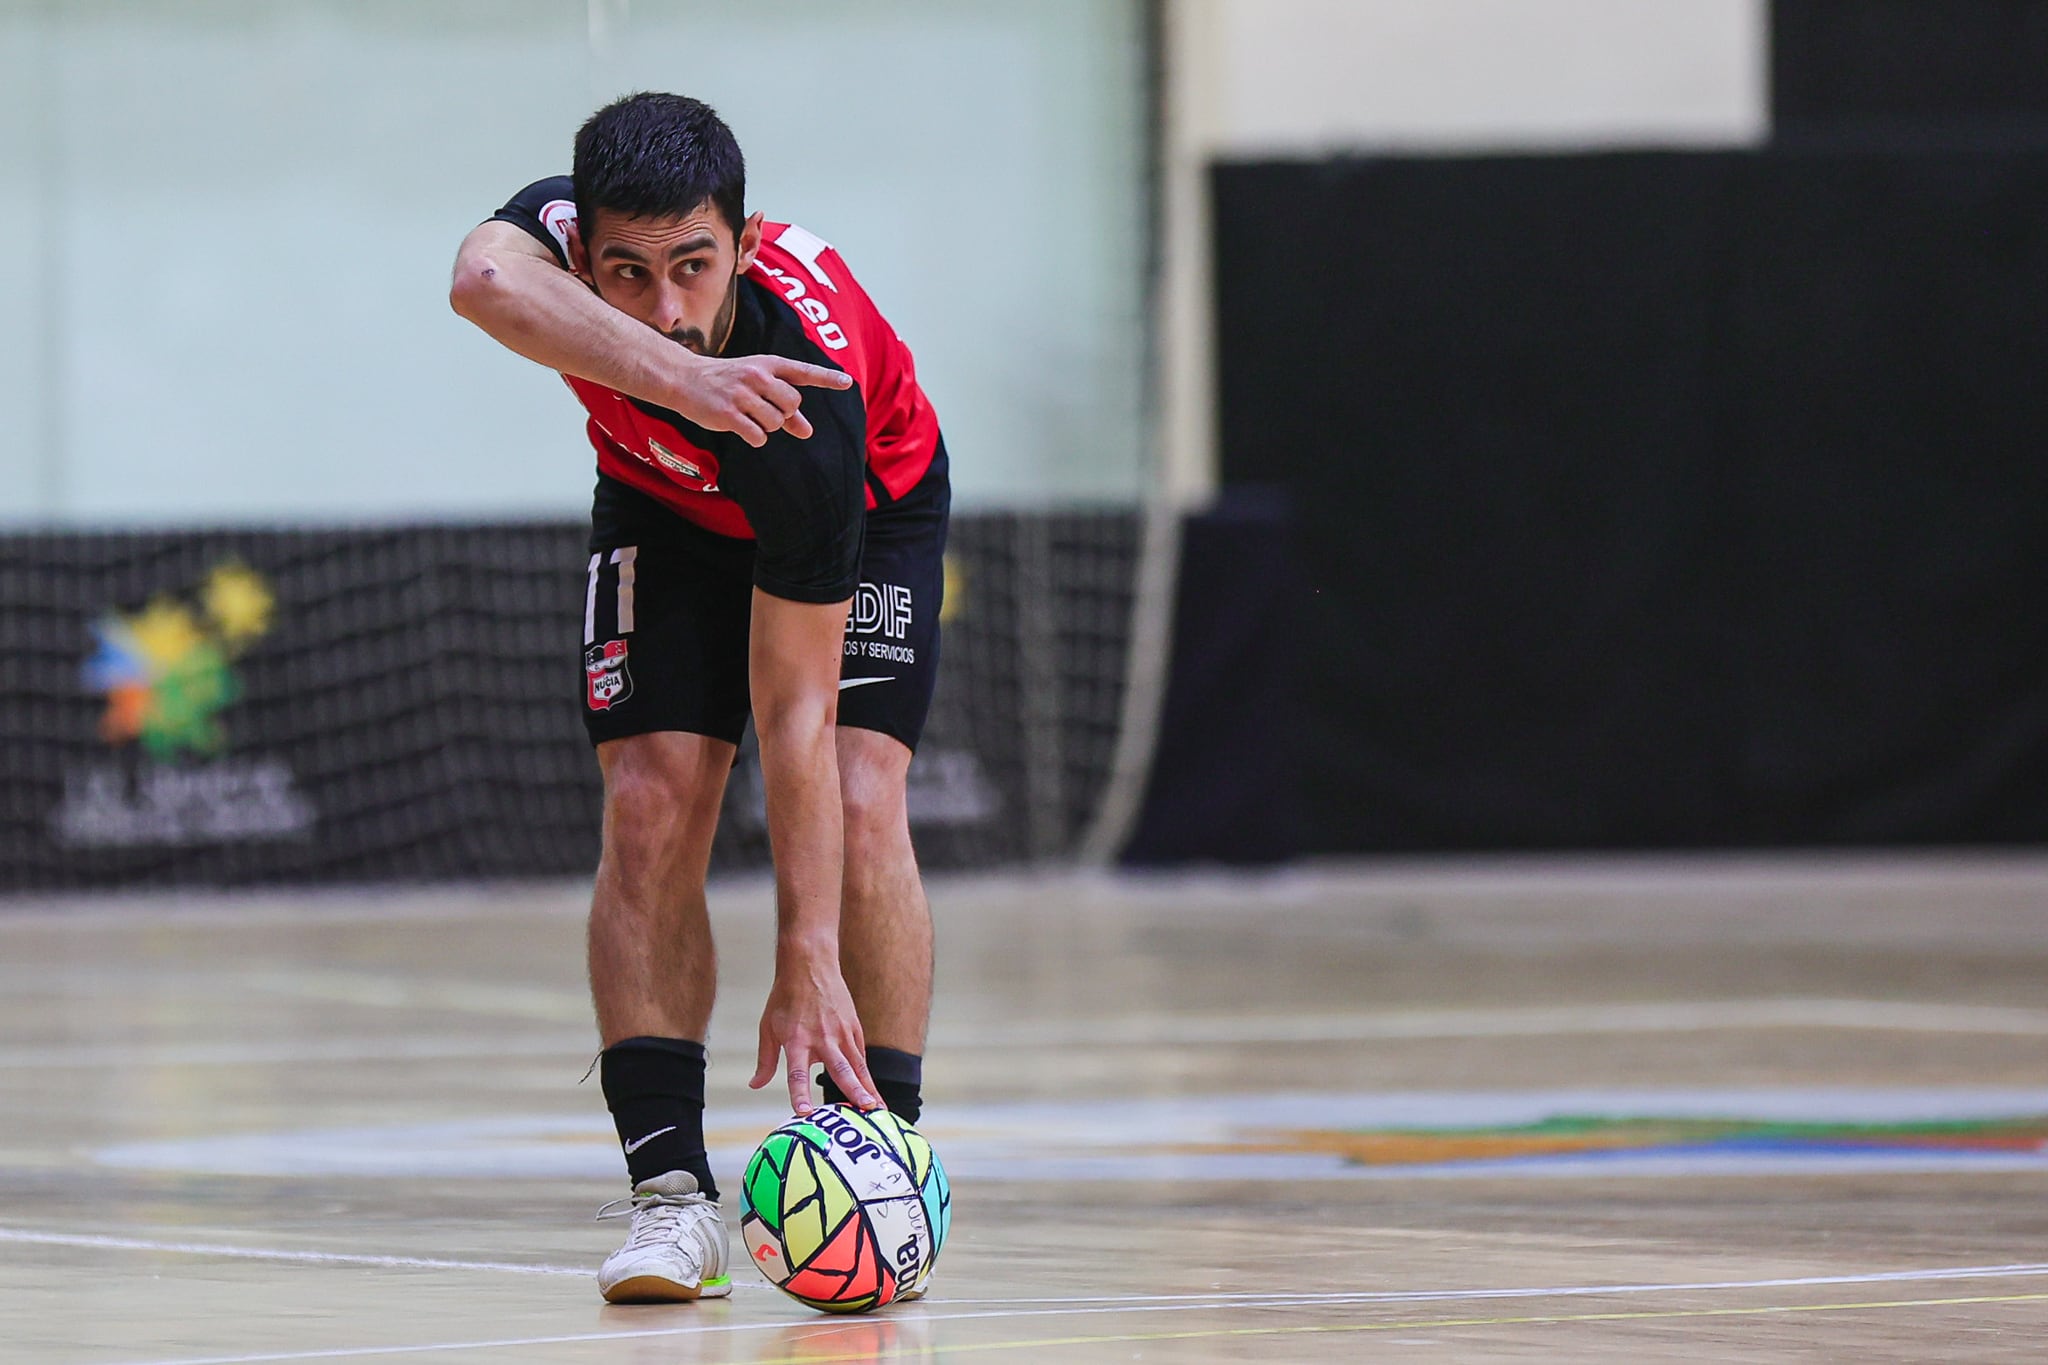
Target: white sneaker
(677, 1250)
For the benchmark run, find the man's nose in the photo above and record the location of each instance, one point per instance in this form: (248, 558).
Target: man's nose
(668, 308)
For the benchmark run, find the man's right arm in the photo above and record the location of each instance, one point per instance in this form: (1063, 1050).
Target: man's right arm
(507, 283)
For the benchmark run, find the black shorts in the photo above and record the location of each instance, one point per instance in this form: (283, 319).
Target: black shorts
(668, 609)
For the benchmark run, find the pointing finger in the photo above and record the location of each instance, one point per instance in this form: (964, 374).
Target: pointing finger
(812, 376)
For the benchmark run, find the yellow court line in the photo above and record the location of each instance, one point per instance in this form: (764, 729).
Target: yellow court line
(1111, 1339)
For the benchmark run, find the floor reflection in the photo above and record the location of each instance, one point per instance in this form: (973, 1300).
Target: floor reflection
(887, 1335)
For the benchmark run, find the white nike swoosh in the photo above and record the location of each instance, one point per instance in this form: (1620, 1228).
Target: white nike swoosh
(845, 683)
(638, 1143)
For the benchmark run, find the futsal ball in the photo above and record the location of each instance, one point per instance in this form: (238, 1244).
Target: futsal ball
(845, 1211)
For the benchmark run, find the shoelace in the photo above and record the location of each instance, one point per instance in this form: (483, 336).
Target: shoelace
(655, 1217)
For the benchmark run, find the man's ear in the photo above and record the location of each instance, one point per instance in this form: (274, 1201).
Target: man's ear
(579, 258)
(750, 242)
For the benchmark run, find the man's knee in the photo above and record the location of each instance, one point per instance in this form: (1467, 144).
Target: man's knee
(658, 804)
(873, 771)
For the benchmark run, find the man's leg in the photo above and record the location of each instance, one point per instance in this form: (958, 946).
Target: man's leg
(653, 975)
(885, 944)
(653, 971)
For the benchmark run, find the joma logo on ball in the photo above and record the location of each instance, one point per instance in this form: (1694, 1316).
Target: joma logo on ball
(859, 1147)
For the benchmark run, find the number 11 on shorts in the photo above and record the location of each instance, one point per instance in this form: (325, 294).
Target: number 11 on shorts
(623, 557)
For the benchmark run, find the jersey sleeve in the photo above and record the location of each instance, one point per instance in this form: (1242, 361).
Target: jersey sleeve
(806, 499)
(546, 210)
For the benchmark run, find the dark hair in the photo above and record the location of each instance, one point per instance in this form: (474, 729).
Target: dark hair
(658, 156)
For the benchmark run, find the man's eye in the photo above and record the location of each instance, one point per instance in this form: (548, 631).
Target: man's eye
(629, 272)
(693, 267)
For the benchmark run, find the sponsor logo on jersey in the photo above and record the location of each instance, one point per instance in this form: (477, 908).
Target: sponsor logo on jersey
(882, 609)
(798, 242)
(883, 613)
(604, 668)
(674, 462)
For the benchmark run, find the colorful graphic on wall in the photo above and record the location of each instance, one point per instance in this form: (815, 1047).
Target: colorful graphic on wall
(167, 672)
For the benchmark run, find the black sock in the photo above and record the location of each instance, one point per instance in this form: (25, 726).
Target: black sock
(899, 1076)
(655, 1090)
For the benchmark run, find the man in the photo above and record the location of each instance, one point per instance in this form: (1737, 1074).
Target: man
(731, 527)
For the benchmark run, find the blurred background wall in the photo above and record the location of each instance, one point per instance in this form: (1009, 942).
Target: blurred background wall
(1380, 425)
(1431, 75)
(1316, 78)
(1604, 464)
(291, 574)
(232, 222)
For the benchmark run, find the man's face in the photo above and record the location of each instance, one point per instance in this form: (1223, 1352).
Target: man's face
(679, 275)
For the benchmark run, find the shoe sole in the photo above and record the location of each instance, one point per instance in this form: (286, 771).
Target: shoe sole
(655, 1289)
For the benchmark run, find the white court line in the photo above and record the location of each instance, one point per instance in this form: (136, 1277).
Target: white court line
(2023, 1268)
(1540, 1021)
(379, 990)
(1151, 1031)
(385, 990)
(996, 1308)
(1968, 1272)
(1219, 1302)
(1279, 1299)
(70, 1239)
(141, 1056)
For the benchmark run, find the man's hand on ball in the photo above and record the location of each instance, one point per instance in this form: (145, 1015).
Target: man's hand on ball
(810, 1019)
(752, 396)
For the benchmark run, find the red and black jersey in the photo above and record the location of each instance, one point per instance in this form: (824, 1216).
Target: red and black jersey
(798, 300)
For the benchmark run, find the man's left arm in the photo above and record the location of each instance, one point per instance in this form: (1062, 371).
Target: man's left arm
(809, 1018)
(807, 501)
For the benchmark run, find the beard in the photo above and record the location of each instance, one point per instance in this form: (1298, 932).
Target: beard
(693, 338)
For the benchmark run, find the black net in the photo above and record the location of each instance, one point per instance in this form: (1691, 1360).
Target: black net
(232, 707)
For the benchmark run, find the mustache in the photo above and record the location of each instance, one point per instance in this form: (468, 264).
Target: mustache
(691, 337)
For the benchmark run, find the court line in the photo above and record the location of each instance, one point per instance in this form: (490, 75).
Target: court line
(399, 991)
(1334, 1328)
(1282, 1299)
(59, 1056)
(1275, 1298)
(365, 988)
(72, 1239)
(996, 1308)
(707, 1329)
(1147, 1031)
(1537, 1021)
(710, 1329)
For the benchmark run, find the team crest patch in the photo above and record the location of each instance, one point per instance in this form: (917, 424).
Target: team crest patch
(604, 668)
(671, 461)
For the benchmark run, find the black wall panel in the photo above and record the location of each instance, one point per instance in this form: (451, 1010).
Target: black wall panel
(1224, 782)
(1910, 69)
(1655, 500)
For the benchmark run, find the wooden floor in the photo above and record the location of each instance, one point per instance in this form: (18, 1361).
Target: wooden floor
(1752, 1110)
